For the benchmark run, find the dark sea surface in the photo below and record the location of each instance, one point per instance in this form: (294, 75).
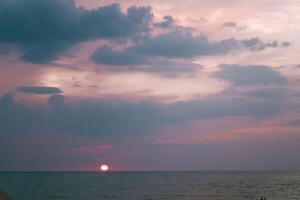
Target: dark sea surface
(151, 185)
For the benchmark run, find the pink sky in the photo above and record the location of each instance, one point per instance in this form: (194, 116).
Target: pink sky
(215, 89)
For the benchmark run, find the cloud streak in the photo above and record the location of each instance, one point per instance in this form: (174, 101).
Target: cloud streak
(39, 90)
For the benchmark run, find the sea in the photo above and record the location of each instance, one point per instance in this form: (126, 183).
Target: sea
(229, 185)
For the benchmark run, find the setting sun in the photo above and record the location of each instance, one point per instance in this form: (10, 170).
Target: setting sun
(104, 168)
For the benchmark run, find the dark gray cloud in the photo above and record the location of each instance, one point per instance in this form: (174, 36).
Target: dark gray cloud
(295, 122)
(108, 56)
(229, 24)
(110, 118)
(286, 44)
(160, 53)
(182, 43)
(39, 90)
(44, 29)
(271, 93)
(250, 75)
(233, 25)
(16, 117)
(179, 43)
(130, 60)
(57, 101)
(255, 44)
(7, 99)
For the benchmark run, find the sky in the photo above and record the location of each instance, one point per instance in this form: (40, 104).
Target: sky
(149, 85)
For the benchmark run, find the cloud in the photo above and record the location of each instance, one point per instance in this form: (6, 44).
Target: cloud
(57, 101)
(286, 44)
(179, 43)
(255, 44)
(295, 122)
(43, 30)
(132, 61)
(39, 90)
(117, 118)
(108, 56)
(271, 93)
(182, 43)
(7, 99)
(171, 53)
(250, 75)
(229, 24)
(16, 117)
(233, 25)
(157, 54)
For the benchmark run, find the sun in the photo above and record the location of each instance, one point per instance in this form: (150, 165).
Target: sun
(104, 168)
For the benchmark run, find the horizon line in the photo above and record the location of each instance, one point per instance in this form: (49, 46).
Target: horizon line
(133, 171)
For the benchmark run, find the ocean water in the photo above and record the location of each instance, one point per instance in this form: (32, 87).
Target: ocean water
(151, 185)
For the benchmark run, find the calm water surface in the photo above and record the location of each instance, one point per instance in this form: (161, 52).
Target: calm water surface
(151, 185)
